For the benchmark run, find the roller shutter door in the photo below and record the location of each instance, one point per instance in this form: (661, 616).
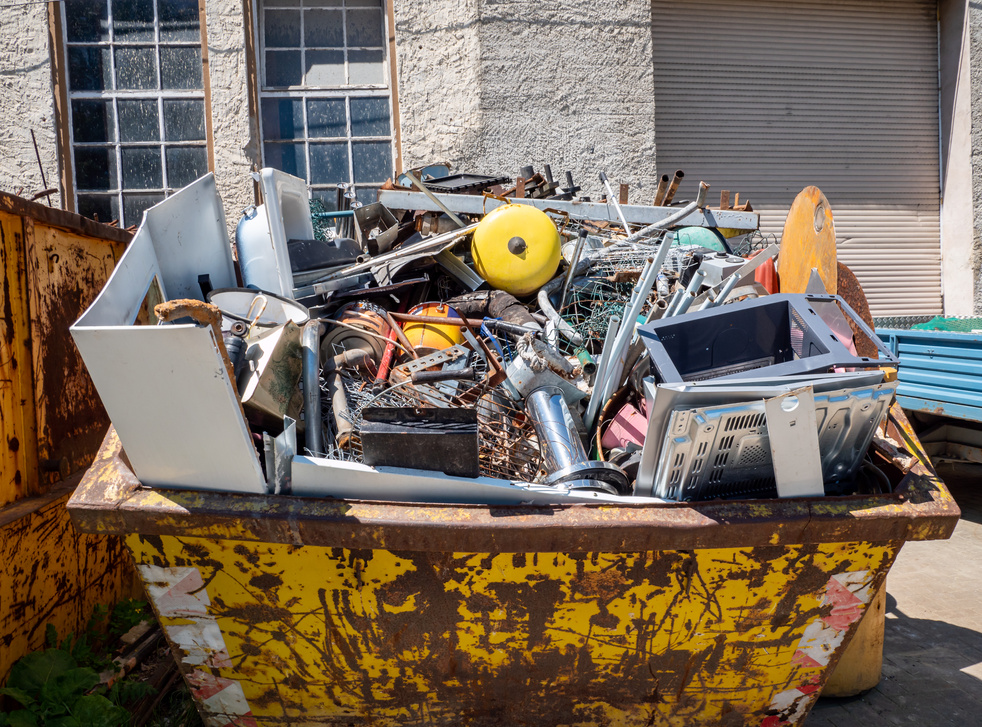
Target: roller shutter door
(768, 97)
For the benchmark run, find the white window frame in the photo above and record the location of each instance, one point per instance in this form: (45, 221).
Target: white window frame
(114, 96)
(314, 93)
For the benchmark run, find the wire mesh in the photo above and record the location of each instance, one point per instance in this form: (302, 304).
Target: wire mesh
(508, 448)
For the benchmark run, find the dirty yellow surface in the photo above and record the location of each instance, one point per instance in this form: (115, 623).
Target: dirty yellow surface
(313, 635)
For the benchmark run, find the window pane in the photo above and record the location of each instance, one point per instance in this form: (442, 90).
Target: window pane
(364, 27)
(133, 21)
(95, 168)
(328, 163)
(180, 67)
(93, 121)
(141, 168)
(179, 20)
(138, 120)
(369, 117)
(282, 28)
(287, 158)
(87, 21)
(102, 207)
(185, 164)
(282, 118)
(283, 68)
(322, 3)
(328, 197)
(136, 68)
(323, 29)
(184, 120)
(372, 161)
(89, 69)
(325, 68)
(135, 204)
(364, 3)
(366, 67)
(366, 195)
(326, 118)
(285, 3)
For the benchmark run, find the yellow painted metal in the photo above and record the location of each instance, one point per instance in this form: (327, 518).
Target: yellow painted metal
(734, 636)
(52, 266)
(427, 337)
(18, 436)
(516, 248)
(808, 241)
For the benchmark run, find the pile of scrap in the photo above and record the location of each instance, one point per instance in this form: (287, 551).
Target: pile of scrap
(482, 339)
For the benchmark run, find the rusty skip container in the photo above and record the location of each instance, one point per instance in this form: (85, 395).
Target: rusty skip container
(289, 610)
(286, 610)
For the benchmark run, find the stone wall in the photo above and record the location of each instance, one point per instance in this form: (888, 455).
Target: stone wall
(26, 102)
(491, 86)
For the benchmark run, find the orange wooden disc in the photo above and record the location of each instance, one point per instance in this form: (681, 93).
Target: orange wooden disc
(808, 242)
(852, 292)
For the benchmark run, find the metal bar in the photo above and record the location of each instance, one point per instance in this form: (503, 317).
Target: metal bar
(612, 199)
(433, 198)
(314, 435)
(599, 211)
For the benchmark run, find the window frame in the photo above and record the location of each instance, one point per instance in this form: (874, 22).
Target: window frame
(304, 93)
(114, 95)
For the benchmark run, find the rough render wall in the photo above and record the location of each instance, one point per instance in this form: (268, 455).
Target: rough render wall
(26, 101)
(975, 55)
(491, 86)
(235, 131)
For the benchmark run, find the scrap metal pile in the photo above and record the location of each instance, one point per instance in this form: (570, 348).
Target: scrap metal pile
(470, 327)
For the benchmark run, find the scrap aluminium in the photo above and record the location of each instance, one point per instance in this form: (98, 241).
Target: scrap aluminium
(619, 378)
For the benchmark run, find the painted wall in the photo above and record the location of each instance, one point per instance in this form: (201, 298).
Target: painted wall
(493, 86)
(974, 152)
(26, 101)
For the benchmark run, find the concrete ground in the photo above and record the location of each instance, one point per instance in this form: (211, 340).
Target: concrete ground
(932, 658)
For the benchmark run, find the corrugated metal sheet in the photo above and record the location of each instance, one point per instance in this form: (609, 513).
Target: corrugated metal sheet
(765, 98)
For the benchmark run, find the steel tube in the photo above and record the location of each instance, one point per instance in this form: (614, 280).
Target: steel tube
(612, 199)
(661, 191)
(673, 187)
(310, 341)
(690, 292)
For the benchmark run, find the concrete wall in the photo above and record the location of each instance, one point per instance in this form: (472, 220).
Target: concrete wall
(26, 101)
(235, 131)
(491, 86)
(958, 263)
(975, 151)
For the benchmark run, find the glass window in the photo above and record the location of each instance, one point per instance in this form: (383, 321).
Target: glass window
(325, 98)
(136, 103)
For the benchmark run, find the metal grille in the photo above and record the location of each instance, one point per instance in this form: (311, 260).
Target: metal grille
(508, 448)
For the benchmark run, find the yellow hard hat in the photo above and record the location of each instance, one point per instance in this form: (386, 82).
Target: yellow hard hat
(516, 248)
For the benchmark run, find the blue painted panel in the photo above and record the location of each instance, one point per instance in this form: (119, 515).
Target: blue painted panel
(952, 396)
(957, 411)
(950, 365)
(940, 379)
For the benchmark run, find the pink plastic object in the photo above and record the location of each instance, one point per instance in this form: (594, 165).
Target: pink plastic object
(629, 425)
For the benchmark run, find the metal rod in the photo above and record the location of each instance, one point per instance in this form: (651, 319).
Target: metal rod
(577, 251)
(312, 386)
(612, 198)
(673, 187)
(660, 192)
(394, 325)
(727, 289)
(446, 210)
(673, 303)
(661, 224)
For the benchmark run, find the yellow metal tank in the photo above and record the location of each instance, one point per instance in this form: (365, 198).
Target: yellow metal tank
(429, 337)
(516, 248)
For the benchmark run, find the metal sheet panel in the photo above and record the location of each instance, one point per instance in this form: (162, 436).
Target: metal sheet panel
(775, 95)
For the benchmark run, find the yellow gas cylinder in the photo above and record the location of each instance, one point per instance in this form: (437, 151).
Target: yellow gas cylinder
(516, 248)
(428, 338)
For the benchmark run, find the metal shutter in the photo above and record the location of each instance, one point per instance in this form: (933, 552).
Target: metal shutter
(767, 97)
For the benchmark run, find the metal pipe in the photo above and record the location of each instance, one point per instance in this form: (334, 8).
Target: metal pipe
(612, 198)
(394, 325)
(577, 251)
(673, 304)
(545, 305)
(311, 342)
(690, 292)
(446, 210)
(660, 192)
(728, 287)
(673, 188)
(593, 407)
(661, 224)
(563, 456)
